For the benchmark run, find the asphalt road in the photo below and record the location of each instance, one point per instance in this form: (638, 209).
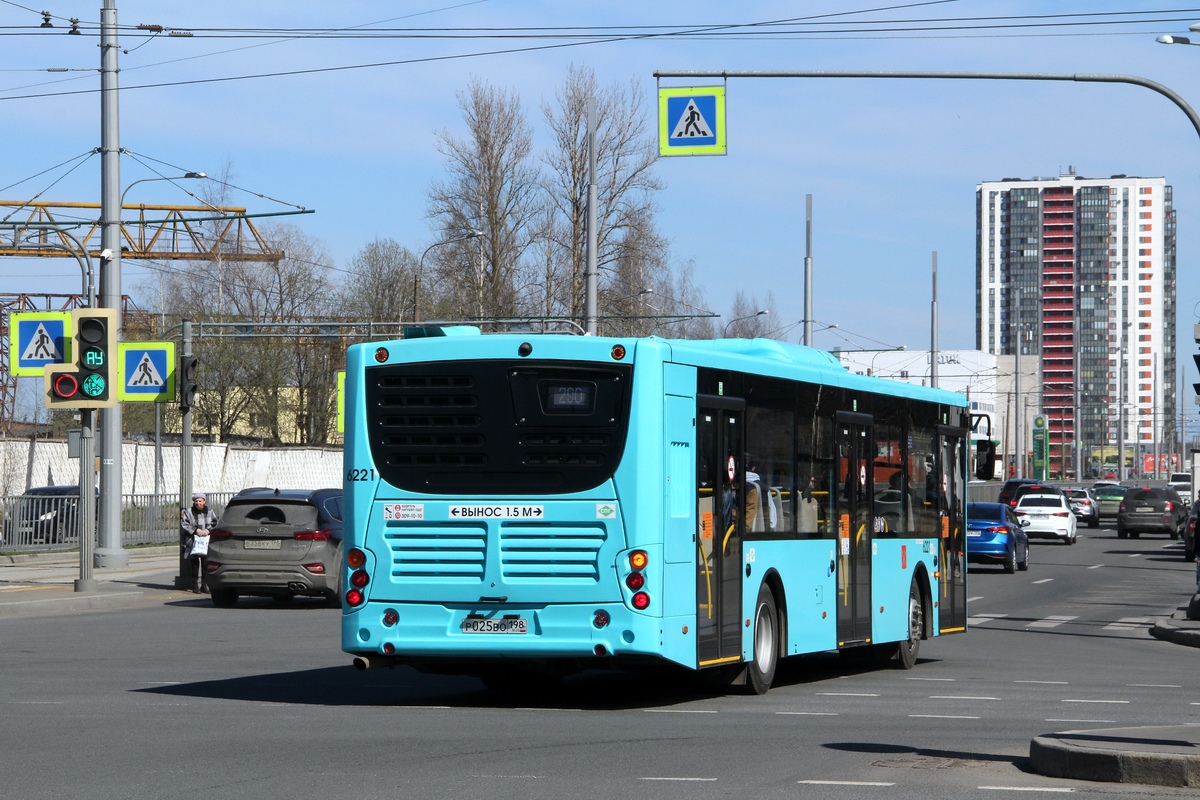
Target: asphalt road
(183, 699)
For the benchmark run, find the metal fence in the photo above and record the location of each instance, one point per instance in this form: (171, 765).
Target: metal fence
(48, 522)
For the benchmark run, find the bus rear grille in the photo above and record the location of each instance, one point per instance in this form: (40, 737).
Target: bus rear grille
(551, 552)
(437, 552)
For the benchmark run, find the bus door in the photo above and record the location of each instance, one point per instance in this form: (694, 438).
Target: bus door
(952, 469)
(720, 493)
(855, 492)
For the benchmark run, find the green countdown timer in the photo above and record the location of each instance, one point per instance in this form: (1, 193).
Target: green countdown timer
(94, 385)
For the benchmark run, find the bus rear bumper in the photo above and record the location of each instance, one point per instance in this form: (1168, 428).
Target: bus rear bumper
(427, 631)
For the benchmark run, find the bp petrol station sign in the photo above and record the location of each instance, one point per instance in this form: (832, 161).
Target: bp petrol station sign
(1039, 447)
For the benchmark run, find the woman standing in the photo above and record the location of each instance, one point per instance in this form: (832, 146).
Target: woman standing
(198, 521)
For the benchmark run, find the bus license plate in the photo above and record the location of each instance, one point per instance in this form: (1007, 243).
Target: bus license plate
(262, 544)
(512, 625)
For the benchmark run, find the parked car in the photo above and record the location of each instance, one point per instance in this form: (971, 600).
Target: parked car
(277, 543)
(995, 536)
(1047, 516)
(1189, 534)
(1084, 506)
(1109, 498)
(1182, 483)
(1151, 509)
(1010, 487)
(44, 515)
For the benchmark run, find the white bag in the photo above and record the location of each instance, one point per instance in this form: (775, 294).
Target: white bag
(199, 545)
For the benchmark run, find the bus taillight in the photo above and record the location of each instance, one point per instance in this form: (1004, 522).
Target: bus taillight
(601, 619)
(359, 578)
(390, 617)
(638, 559)
(356, 558)
(635, 580)
(641, 601)
(354, 597)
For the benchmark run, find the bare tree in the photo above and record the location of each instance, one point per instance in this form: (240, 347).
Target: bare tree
(382, 284)
(625, 155)
(748, 318)
(491, 188)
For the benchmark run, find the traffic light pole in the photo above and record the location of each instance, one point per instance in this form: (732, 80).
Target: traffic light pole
(87, 499)
(185, 579)
(110, 553)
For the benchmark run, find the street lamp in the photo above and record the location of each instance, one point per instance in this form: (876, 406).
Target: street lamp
(185, 176)
(471, 233)
(761, 313)
(1167, 38)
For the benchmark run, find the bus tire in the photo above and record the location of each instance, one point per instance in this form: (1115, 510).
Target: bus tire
(760, 672)
(908, 649)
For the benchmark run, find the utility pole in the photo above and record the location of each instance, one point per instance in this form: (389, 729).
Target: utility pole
(808, 298)
(592, 299)
(933, 329)
(110, 552)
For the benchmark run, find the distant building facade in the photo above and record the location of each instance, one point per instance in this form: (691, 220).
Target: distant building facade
(1079, 274)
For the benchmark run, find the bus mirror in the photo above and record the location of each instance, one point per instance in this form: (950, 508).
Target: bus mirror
(985, 459)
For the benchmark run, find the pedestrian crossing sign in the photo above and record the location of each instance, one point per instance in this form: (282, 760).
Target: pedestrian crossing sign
(691, 121)
(146, 372)
(38, 338)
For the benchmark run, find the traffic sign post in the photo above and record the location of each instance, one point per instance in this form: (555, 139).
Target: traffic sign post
(146, 372)
(691, 121)
(38, 339)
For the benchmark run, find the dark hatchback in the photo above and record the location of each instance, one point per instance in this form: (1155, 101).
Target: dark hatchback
(1151, 509)
(1189, 534)
(277, 543)
(45, 515)
(1009, 489)
(995, 536)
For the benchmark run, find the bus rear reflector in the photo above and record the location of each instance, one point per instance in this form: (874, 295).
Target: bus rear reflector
(601, 619)
(391, 617)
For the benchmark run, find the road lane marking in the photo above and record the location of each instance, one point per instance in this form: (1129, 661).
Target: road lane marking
(1109, 702)
(706, 780)
(1081, 720)
(941, 716)
(1063, 789)
(982, 618)
(808, 713)
(958, 697)
(948, 680)
(1135, 555)
(847, 694)
(1050, 683)
(1095, 566)
(1043, 580)
(847, 783)
(677, 711)
(1156, 685)
(973, 599)
(1052, 621)
(1127, 624)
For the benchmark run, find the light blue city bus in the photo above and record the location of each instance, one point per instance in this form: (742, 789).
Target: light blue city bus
(522, 506)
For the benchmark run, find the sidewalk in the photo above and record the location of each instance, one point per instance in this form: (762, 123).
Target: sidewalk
(44, 583)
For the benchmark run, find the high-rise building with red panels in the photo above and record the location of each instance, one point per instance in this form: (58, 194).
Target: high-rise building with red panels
(1079, 274)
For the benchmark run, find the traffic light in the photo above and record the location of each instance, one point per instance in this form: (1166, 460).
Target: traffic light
(87, 381)
(187, 382)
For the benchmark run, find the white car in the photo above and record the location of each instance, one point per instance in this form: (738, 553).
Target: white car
(1046, 516)
(1182, 483)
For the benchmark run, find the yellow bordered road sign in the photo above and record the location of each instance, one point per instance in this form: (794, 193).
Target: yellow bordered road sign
(691, 121)
(146, 372)
(38, 339)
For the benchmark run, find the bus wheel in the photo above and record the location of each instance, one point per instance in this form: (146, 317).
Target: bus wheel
(916, 627)
(760, 672)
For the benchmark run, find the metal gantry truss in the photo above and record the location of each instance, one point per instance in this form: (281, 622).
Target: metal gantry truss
(187, 233)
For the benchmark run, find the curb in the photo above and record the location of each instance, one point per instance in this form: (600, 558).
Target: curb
(69, 604)
(1056, 758)
(1178, 629)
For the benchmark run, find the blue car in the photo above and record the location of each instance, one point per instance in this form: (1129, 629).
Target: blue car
(995, 536)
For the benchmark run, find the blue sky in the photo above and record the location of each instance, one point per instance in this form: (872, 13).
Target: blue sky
(892, 166)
